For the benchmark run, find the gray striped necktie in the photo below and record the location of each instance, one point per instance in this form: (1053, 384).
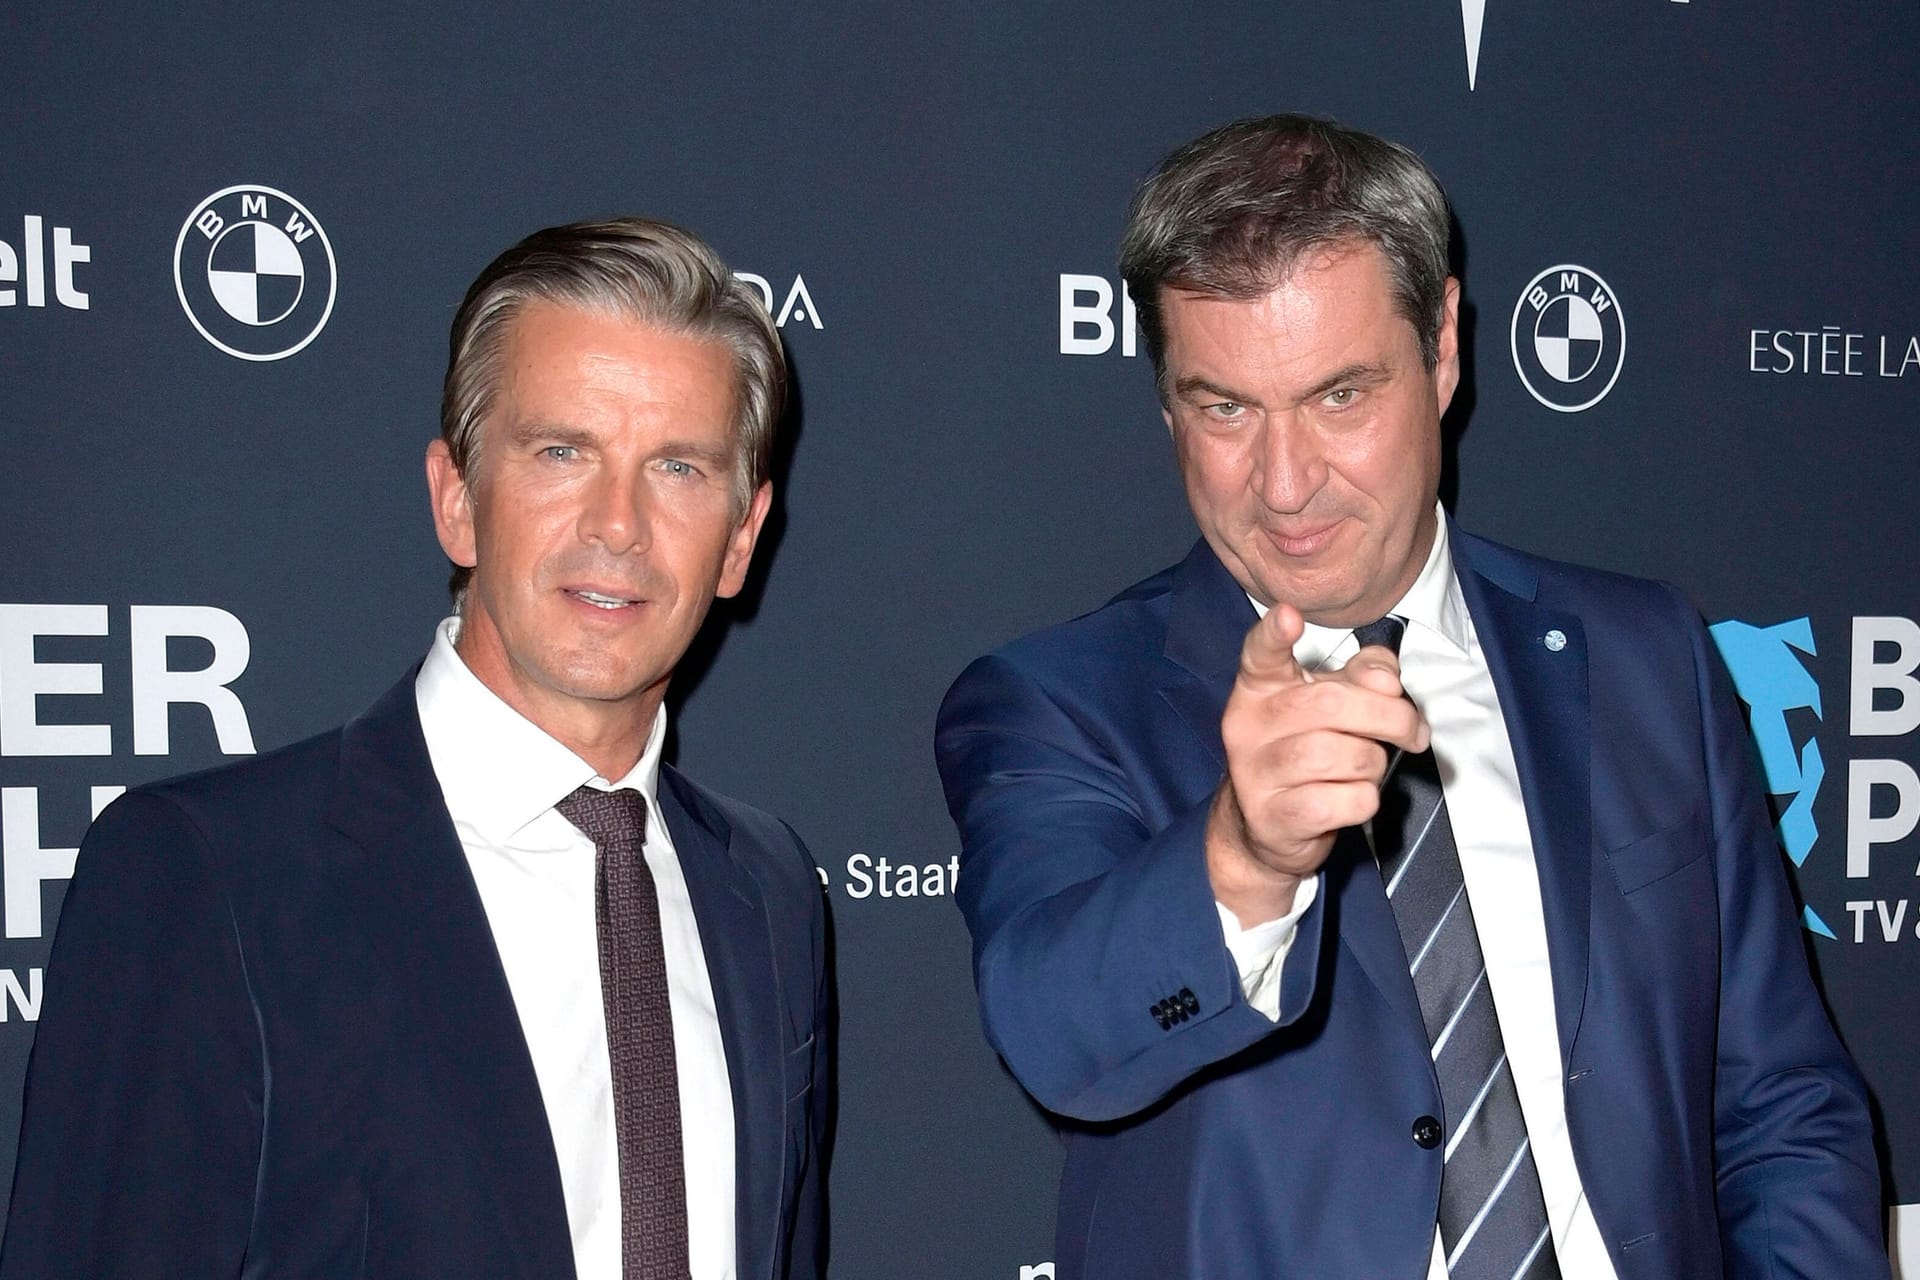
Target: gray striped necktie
(633, 992)
(1493, 1222)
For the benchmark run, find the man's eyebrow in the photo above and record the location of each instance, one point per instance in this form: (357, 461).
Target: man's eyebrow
(1189, 384)
(1367, 373)
(700, 450)
(526, 433)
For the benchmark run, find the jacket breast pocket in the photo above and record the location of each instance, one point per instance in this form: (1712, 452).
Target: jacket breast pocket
(1644, 860)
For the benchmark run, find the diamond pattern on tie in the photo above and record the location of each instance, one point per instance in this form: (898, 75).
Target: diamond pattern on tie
(633, 988)
(1493, 1221)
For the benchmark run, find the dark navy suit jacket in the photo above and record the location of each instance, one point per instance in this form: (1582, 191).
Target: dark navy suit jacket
(278, 1040)
(1717, 1123)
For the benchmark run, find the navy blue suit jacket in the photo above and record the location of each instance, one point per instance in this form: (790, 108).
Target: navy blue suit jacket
(1718, 1125)
(278, 1040)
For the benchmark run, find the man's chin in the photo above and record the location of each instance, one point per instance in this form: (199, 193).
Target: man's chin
(591, 675)
(1313, 594)
(597, 685)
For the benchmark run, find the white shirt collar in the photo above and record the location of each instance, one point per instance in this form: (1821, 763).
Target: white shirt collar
(1433, 603)
(499, 771)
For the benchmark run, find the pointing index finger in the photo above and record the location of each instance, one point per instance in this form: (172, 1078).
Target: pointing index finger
(1266, 657)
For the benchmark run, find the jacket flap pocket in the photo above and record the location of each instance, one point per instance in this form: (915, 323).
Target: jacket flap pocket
(1639, 862)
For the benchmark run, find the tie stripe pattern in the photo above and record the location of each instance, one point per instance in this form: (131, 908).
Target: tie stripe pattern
(633, 990)
(1493, 1221)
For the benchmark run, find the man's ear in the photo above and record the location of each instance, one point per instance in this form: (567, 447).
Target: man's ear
(452, 506)
(1446, 369)
(733, 570)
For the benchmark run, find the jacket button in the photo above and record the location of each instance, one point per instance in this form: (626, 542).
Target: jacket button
(1426, 1132)
(1189, 1001)
(1160, 1015)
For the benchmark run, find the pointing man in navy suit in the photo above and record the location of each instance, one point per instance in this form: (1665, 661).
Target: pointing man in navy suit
(1368, 899)
(475, 985)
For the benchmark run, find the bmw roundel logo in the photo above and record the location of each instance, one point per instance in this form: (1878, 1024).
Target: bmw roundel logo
(1568, 337)
(254, 272)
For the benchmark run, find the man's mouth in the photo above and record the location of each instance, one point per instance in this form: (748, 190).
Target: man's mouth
(1299, 542)
(601, 600)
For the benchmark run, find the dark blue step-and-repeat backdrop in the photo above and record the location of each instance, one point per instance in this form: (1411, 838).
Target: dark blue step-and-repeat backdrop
(216, 537)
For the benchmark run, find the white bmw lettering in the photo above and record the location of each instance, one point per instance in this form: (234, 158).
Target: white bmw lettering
(259, 280)
(1568, 338)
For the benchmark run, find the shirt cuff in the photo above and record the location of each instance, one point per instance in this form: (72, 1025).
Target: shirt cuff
(1260, 951)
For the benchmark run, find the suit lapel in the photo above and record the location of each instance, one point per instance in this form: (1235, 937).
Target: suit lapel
(739, 951)
(1208, 621)
(428, 922)
(1537, 657)
(1367, 928)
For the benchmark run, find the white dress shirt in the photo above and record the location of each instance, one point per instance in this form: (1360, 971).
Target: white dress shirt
(1445, 672)
(501, 776)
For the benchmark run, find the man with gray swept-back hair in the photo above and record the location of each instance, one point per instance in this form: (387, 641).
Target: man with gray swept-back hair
(1365, 898)
(476, 985)
(631, 268)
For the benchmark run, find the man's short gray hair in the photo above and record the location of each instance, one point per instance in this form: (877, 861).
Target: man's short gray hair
(1231, 214)
(634, 269)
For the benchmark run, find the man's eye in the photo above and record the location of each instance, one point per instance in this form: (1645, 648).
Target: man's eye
(1226, 409)
(561, 452)
(677, 467)
(1343, 397)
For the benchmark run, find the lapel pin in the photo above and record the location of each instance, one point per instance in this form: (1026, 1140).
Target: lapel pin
(1556, 640)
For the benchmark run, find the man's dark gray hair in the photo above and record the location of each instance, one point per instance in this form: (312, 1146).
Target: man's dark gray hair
(1230, 215)
(629, 268)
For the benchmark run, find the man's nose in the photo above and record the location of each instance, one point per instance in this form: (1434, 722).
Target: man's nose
(1291, 467)
(614, 513)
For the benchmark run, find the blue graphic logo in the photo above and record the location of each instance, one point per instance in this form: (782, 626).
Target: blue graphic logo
(1772, 681)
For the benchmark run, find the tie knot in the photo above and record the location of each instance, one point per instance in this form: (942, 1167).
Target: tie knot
(1386, 631)
(605, 815)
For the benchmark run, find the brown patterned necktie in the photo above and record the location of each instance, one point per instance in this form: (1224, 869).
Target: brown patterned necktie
(633, 989)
